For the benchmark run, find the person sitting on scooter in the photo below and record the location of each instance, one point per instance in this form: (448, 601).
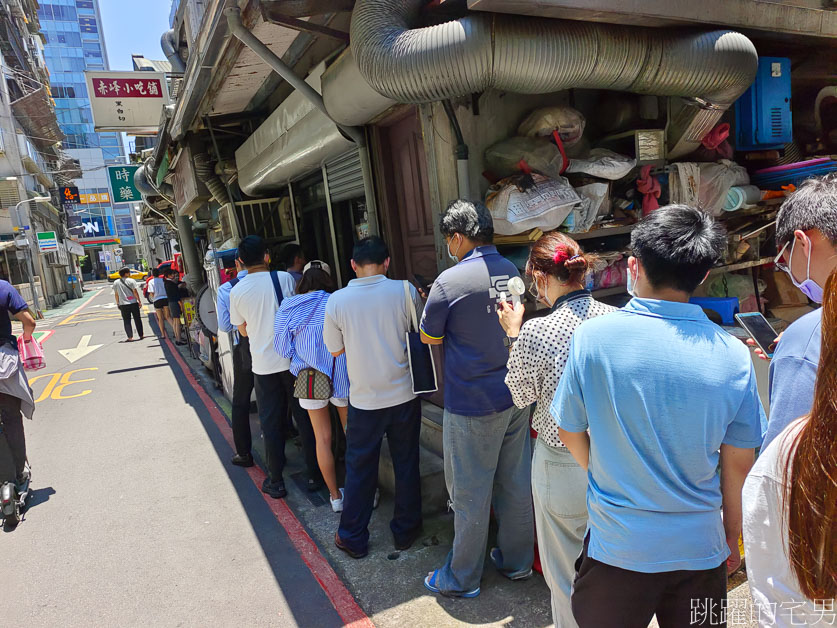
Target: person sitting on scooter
(15, 394)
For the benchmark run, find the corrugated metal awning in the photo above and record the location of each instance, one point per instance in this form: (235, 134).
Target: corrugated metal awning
(345, 177)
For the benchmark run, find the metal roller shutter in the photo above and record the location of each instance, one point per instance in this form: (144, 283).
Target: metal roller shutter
(345, 177)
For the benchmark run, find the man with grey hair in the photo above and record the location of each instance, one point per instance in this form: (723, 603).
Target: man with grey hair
(486, 438)
(806, 236)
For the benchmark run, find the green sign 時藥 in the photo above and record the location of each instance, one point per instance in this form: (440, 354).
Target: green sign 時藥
(122, 184)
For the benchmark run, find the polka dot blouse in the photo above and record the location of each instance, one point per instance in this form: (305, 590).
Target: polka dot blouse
(539, 356)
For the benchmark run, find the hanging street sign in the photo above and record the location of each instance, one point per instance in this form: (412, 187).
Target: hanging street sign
(47, 241)
(69, 197)
(127, 101)
(69, 194)
(122, 185)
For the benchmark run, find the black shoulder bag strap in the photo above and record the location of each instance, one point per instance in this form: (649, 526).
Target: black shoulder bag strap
(274, 275)
(233, 282)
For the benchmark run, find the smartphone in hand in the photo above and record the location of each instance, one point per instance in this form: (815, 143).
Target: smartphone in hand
(760, 330)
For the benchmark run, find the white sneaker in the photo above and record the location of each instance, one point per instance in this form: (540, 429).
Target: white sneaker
(337, 504)
(377, 498)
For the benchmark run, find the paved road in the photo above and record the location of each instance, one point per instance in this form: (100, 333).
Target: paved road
(138, 518)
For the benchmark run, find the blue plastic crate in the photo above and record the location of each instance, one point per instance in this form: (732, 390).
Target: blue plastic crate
(726, 307)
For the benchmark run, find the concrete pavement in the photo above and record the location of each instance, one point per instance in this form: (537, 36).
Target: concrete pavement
(137, 517)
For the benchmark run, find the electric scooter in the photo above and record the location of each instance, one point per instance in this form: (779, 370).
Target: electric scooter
(14, 492)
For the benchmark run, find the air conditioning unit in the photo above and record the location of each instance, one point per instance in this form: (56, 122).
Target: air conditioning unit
(228, 223)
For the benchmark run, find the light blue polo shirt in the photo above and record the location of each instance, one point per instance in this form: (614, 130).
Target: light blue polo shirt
(660, 388)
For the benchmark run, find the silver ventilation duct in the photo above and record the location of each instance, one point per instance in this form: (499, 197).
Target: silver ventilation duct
(168, 42)
(205, 171)
(535, 56)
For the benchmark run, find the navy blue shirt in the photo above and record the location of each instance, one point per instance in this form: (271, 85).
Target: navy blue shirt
(462, 309)
(793, 373)
(10, 303)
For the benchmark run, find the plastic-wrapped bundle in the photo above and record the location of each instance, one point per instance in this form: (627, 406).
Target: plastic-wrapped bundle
(525, 202)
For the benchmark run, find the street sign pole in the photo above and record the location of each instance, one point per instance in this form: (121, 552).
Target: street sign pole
(37, 302)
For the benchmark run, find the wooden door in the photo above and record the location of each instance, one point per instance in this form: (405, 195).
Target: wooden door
(407, 199)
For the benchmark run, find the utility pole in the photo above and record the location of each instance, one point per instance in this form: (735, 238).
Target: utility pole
(37, 302)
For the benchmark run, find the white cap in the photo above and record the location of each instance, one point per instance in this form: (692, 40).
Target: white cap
(317, 264)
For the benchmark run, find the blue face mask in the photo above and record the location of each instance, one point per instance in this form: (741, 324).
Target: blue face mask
(809, 287)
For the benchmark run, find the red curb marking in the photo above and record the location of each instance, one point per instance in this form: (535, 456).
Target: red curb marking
(339, 596)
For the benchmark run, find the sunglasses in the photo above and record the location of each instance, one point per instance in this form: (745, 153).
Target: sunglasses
(780, 262)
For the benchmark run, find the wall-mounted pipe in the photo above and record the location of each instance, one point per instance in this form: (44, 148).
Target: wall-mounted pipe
(168, 42)
(463, 177)
(186, 237)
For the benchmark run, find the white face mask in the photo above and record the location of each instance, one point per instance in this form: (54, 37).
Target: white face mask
(455, 258)
(631, 283)
(535, 291)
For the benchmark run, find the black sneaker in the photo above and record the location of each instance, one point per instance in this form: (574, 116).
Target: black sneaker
(242, 461)
(276, 489)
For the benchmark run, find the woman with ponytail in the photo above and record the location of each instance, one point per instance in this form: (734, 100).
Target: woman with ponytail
(790, 505)
(557, 267)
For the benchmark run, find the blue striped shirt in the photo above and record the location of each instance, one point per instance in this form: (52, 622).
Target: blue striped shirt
(302, 342)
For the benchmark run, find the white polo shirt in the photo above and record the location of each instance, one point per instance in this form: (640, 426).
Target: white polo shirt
(253, 301)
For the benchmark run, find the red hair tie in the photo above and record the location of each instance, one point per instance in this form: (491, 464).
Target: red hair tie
(561, 254)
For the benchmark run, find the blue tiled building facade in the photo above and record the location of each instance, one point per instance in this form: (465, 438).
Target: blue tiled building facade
(75, 43)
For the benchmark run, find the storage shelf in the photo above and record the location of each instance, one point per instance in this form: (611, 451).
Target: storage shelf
(602, 233)
(742, 265)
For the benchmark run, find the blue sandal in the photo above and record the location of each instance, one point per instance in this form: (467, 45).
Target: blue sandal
(431, 578)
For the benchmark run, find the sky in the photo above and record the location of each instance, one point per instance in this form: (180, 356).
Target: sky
(133, 27)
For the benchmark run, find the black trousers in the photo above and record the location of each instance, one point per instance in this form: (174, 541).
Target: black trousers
(605, 596)
(242, 390)
(303, 425)
(272, 400)
(128, 311)
(15, 445)
(365, 431)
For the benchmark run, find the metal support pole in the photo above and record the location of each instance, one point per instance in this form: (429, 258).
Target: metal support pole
(368, 188)
(238, 29)
(354, 133)
(332, 230)
(36, 301)
(293, 212)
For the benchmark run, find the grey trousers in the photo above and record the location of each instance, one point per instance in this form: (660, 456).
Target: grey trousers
(487, 463)
(559, 489)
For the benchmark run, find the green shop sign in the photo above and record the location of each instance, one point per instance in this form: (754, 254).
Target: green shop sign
(122, 185)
